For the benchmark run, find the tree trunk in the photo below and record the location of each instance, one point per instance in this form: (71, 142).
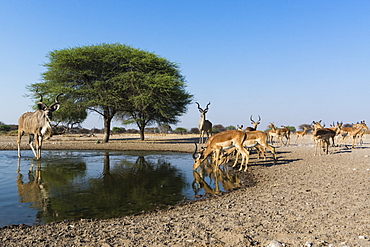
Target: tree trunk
(142, 136)
(107, 122)
(141, 131)
(141, 124)
(106, 169)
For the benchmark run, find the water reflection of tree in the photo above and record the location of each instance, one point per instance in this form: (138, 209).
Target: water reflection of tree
(132, 187)
(61, 172)
(122, 189)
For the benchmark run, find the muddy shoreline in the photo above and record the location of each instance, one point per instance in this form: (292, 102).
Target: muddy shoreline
(301, 200)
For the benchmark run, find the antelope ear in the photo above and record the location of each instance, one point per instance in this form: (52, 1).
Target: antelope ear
(55, 107)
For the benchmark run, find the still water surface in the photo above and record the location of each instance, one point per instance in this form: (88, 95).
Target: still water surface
(98, 184)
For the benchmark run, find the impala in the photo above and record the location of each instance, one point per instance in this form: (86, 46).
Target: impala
(361, 134)
(205, 126)
(255, 124)
(323, 135)
(219, 142)
(259, 137)
(279, 133)
(352, 132)
(37, 125)
(316, 125)
(301, 134)
(337, 129)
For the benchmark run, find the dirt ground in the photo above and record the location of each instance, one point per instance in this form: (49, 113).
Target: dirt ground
(303, 200)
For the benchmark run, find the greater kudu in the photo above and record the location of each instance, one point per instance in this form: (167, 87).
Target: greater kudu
(37, 125)
(205, 126)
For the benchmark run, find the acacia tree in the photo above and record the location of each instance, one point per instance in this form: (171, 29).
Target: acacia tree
(70, 114)
(115, 78)
(164, 128)
(155, 94)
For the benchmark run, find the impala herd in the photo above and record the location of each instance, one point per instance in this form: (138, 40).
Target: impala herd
(221, 147)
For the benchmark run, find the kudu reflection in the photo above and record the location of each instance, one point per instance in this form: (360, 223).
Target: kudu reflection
(35, 191)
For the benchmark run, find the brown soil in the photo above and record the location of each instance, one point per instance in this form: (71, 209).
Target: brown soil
(303, 200)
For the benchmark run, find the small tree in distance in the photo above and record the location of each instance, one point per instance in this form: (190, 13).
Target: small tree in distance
(180, 130)
(230, 127)
(194, 131)
(291, 128)
(301, 127)
(4, 127)
(218, 128)
(164, 128)
(118, 130)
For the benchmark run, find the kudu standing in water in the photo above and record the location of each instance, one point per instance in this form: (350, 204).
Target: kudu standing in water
(37, 125)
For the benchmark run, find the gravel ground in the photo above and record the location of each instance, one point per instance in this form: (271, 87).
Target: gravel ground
(303, 200)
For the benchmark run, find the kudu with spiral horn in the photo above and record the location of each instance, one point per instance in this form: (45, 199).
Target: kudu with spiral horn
(205, 126)
(37, 125)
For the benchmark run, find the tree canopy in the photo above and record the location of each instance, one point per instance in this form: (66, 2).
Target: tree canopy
(116, 80)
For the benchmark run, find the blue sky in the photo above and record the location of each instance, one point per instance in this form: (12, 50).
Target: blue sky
(291, 62)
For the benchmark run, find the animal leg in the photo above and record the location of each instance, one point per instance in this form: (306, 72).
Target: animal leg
(272, 149)
(39, 147)
(31, 138)
(236, 158)
(19, 143)
(245, 155)
(353, 142)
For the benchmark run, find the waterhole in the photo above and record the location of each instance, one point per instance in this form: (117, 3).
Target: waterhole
(100, 184)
